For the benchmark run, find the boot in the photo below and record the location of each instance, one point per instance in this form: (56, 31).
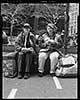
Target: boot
(26, 75)
(40, 74)
(20, 76)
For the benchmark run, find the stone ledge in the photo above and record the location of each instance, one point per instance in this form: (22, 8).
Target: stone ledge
(11, 55)
(7, 56)
(72, 49)
(8, 48)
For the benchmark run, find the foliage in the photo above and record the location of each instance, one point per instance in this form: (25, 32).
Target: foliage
(17, 14)
(7, 11)
(20, 12)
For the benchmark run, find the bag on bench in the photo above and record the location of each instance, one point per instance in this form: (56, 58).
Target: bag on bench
(67, 65)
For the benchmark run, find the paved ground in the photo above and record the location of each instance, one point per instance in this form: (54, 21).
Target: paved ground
(40, 87)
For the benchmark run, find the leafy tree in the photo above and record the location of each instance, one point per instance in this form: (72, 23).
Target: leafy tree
(17, 14)
(9, 10)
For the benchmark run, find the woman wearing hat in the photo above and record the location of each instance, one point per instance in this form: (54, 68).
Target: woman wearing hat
(49, 48)
(25, 51)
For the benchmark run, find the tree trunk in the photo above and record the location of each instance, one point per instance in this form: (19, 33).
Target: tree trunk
(66, 28)
(11, 37)
(36, 23)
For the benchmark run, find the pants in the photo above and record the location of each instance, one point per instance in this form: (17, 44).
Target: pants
(24, 61)
(53, 60)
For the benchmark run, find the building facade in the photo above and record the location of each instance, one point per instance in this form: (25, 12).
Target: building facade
(73, 18)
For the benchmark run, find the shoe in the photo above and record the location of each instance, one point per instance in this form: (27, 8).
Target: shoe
(52, 74)
(40, 74)
(20, 76)
(26, 75)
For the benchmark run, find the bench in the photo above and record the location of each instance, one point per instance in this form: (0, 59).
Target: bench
(9, 58)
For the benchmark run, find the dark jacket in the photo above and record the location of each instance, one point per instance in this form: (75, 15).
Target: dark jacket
(19, 43)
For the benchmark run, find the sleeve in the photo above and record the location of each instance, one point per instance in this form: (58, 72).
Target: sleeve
(33, 42)
(59, 42)
(17, 43)
(32, 38)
